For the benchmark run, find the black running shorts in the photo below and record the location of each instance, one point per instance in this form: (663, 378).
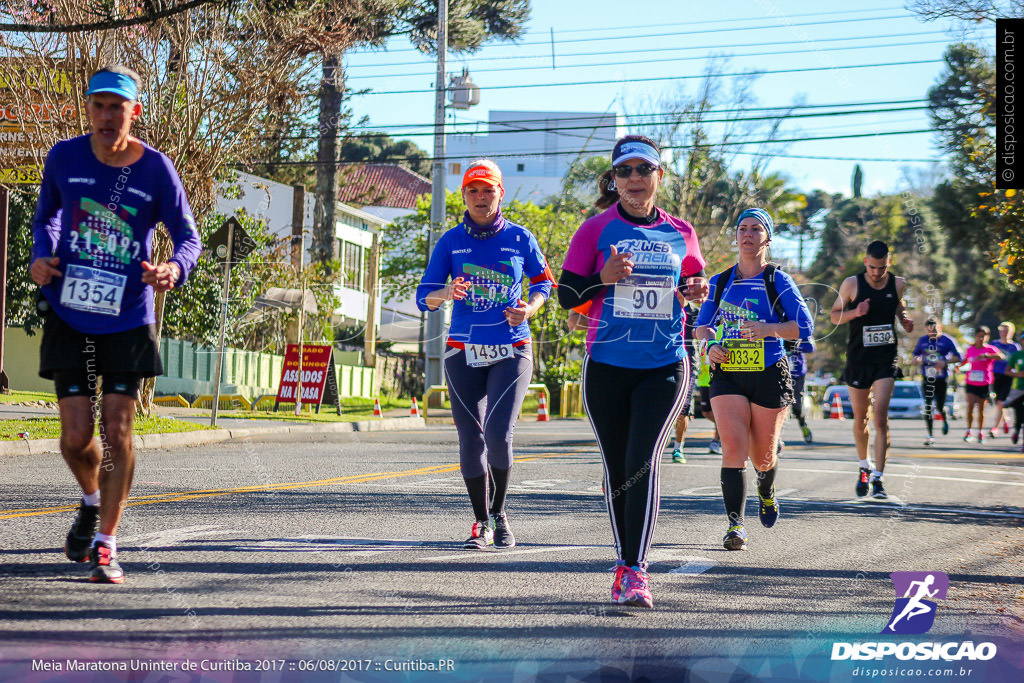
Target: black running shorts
(979, 390)
(134, 352)
(863, 375)
(769, 388)
(1001, 385)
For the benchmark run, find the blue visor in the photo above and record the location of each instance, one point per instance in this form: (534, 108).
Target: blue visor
(635, 149)
(118, 84)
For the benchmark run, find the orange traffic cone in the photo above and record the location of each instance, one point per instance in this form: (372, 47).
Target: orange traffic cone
(837, 409)
(377, 412)
(939, 417)
(542, 409)
(415, 410)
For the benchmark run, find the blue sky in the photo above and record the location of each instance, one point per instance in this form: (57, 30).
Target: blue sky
(672, 41)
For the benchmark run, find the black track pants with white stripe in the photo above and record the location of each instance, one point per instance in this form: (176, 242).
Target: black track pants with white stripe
(632, 412)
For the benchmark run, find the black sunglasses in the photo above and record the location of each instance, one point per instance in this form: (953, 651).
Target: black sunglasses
(625, 171)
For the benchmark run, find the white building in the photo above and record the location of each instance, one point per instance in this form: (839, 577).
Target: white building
(534, 149)
(272, 202)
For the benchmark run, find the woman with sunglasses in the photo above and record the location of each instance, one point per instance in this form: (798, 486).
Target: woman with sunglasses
(628, 262)
(488, 361)
(757, 307)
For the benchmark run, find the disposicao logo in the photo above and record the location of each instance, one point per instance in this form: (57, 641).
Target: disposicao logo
(914, 613)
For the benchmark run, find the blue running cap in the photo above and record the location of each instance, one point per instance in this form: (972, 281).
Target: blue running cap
(118, 84)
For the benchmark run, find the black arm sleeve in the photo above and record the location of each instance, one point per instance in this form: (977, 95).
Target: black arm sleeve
(574, 289)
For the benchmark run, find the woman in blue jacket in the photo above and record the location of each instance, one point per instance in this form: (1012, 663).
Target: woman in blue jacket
(479, 265)
(751, 388)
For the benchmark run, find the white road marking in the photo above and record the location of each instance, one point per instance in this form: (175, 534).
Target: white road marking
(915, 475)
(693, 566)
(881, 504)
(354, 547)
(466, 554)
(172, 536)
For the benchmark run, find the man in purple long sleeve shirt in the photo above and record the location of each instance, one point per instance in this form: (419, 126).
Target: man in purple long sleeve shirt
(102, 196)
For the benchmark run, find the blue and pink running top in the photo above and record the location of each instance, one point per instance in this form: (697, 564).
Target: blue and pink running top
(637, 322)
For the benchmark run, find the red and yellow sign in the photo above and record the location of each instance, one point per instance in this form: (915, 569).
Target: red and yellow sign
(317, 362)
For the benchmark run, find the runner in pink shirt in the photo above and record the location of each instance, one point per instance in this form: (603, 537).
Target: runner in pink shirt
(978, 359)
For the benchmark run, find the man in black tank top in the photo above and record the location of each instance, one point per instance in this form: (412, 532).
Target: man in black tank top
(870, 302)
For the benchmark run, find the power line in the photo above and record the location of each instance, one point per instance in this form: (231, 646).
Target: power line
(734, 20)
(828, 158)
(674, 122)
(658, 61)
(789, 107)
(764, 72)
(685, 48)
(772, 27)
(733, 143)
(629, 117)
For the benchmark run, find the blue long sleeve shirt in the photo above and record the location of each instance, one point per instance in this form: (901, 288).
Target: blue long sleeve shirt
(748, 300)
(99, 221)
(495, 269)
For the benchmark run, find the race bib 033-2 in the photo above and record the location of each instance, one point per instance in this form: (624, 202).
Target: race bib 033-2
(745, 355)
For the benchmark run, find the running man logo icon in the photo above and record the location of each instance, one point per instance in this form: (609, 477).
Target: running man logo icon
(913, 612)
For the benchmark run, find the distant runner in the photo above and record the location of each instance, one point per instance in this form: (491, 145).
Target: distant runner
(871, 302)
(979, 358)
(1001, 382)
(935, 351)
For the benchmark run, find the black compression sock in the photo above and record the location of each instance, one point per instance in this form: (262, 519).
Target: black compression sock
(499, 489)
(766, 483)
(928, 419)
(477, 488)
(734, 492)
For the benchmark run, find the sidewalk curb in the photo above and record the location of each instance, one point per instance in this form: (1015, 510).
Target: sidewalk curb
(198, 438)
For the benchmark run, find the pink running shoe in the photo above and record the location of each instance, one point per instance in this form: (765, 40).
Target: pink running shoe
(636, 590)
(620, 572)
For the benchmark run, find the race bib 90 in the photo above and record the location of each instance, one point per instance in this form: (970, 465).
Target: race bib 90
(482, 355)
(644, 296)
(92, 290)
(879, 335)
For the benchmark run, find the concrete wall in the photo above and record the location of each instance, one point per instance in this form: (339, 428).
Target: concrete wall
(21, 360)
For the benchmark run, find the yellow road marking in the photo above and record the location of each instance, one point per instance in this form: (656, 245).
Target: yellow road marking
(152, 499)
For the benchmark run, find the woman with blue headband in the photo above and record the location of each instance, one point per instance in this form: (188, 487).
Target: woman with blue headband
(751, 389)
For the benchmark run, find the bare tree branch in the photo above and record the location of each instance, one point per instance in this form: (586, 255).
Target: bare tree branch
(112, 21)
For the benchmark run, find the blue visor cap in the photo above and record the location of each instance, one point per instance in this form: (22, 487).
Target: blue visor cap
(118, 84)
(634, 149)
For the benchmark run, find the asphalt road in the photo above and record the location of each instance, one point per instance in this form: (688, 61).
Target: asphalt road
(343, 554)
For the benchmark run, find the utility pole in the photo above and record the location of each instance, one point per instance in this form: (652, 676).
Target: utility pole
(433, 343)
(224, 309)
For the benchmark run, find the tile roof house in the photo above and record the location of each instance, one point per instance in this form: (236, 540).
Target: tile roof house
(384, 190)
